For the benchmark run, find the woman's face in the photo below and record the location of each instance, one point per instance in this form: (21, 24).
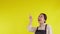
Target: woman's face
(41, 18)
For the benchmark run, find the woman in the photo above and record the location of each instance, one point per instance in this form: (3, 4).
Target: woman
(43, 28)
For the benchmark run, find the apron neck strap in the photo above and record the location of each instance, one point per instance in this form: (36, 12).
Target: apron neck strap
(45, 26)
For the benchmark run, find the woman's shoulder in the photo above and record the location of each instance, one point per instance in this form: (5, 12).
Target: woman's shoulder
(49, 26)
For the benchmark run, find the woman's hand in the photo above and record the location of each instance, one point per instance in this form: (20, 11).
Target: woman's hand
(30, 18)
(30, 28)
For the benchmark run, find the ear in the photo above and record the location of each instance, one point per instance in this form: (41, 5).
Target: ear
(44, 20)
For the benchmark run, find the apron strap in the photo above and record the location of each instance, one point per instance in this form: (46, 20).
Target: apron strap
(45, 26)
(37, 28)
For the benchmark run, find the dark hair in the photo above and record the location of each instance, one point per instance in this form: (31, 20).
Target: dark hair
(45, 16)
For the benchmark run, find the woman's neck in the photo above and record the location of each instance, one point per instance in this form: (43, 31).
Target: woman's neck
(42, 24)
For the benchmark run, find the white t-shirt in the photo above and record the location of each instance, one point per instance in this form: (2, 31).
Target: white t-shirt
(33, 29)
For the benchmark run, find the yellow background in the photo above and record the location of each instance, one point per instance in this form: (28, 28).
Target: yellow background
(14, 15)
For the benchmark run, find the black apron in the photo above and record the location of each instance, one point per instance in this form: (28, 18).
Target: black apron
(41, 31)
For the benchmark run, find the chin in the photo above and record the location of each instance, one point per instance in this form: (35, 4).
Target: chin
(40, 22)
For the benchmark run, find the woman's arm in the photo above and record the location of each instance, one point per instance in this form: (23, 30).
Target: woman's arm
(49, 29)
(30, 28)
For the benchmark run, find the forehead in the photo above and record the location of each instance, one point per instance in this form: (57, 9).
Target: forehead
(41, 15)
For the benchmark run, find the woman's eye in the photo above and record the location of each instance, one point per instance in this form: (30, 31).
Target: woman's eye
(40, 16)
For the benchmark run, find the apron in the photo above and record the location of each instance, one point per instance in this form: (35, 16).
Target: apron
(41, 31)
